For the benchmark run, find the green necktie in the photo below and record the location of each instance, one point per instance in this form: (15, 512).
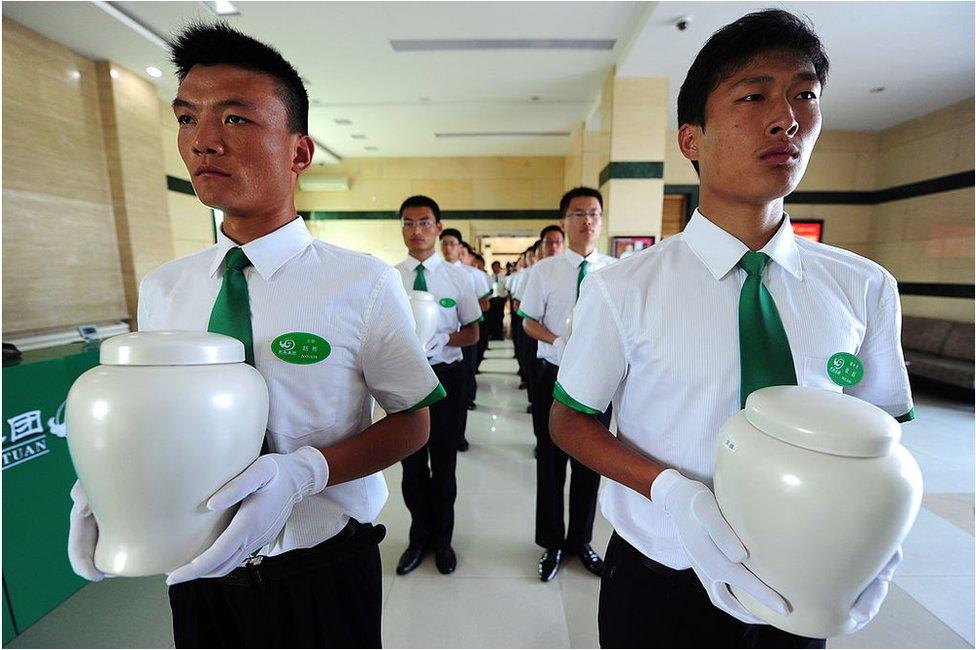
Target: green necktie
(420, 283)
(231, 313)
(584, 265)
(764, 349)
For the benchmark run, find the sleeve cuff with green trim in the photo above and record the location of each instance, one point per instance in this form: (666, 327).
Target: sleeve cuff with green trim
(524, 315)
(436, 395)
(560, 395)
(478, 320)
(907, 417)
(486, 295)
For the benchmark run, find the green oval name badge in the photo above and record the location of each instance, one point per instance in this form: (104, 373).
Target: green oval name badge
(844, 369)
(448, 302)
(301, 348)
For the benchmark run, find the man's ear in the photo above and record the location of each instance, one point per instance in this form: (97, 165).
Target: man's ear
(304, 152)
(689, 136)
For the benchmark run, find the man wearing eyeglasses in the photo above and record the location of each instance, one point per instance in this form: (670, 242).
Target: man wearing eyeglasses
(548, 300)
(429, 483)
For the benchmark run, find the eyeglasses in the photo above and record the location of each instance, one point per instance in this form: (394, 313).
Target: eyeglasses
(423, 224)
(593, 214)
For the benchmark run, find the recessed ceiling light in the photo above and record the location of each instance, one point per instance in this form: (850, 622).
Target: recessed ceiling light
(316, 102)
(222, 7)
(342, 120)
(75, 74)
(876, 90)
(114, 73)
(358, 136)
(371, 148)
(153, 71)
(535, 98)
(425, 99)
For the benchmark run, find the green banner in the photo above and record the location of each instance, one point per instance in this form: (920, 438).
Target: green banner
(37, 477)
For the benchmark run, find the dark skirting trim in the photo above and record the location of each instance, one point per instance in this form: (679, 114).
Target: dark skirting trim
(631, 170)
(174, 184)
(318, 215)
(936, 289)
(897, 193)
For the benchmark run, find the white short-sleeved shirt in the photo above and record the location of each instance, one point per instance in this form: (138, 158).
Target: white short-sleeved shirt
(498, 286)
(657, 334)
(457, 303)
(550, 293)
(354, 302)
(519, 282)
(479, 280)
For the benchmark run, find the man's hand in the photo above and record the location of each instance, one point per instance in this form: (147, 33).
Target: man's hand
(267, 491)
(714, 550)
(559, 344)
(82, 536)
(437, 341)
(869, 602)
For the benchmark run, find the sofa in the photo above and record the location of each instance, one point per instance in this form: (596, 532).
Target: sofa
(939, 350)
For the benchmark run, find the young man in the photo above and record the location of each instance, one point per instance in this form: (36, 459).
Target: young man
(528, 346)
(452, 247)
(679, 335)
(306, 505)
(429, 481)
(496, 303)
(549, 298)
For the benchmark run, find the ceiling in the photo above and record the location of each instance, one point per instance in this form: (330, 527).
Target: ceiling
(399, 100)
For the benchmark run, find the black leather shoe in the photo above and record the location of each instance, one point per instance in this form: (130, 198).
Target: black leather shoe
(590, 560)
(410, 560)
(522, 386)
(471, 406)
(528, 409)
(463, 445)
(549, 564)
(445, 559)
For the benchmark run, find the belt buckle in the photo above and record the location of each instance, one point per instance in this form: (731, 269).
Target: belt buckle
(252, 567)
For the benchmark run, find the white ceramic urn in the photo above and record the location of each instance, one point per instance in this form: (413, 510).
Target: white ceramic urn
(424, 307)
(821, 493)
(166, 420)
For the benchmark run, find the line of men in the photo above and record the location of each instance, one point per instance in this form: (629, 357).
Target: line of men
(674, 338)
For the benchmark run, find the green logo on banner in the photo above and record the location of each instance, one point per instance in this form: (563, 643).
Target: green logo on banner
(844, 369)
(301, 348)
(448, 302)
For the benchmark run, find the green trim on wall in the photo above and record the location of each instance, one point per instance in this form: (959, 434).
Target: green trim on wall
(181, 185)
(324, 215)
(643, 170)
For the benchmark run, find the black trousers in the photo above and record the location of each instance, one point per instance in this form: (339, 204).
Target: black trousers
(644, 604)
(484, 334)
(550, 463)
(496, 317)
(517, 337)
(470, 387)
(530, 347)
(429, 482)
(336, 606)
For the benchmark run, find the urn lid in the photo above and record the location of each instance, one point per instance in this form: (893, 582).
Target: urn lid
(822, 420)
(170, 348)
(421, 295)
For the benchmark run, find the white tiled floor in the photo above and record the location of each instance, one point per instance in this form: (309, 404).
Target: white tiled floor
(494, 598)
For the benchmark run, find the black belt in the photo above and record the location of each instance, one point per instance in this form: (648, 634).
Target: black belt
(352, 539)
(445, 366)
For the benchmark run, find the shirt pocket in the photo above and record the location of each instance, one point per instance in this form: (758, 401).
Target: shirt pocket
(815, 375)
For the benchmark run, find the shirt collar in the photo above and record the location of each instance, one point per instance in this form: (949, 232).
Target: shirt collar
(269, 253)
(576, 259)
(430, 263)
(720, 252)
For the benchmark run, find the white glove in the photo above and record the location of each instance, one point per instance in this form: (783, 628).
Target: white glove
(82, 536)
(267, 491)
(559, 344)
(714, 550)
(437, 341)
(869, 602)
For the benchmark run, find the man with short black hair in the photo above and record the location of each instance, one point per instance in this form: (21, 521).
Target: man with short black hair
(429, 480)
(679, 336)
(307, 503)
(496, 303)
(547, 303)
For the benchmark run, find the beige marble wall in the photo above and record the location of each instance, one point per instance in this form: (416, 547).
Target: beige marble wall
(191, 222)
(61, 262)
(137, 173)
(472, 183)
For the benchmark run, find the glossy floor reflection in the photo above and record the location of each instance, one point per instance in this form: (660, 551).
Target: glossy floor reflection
(495, 600)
